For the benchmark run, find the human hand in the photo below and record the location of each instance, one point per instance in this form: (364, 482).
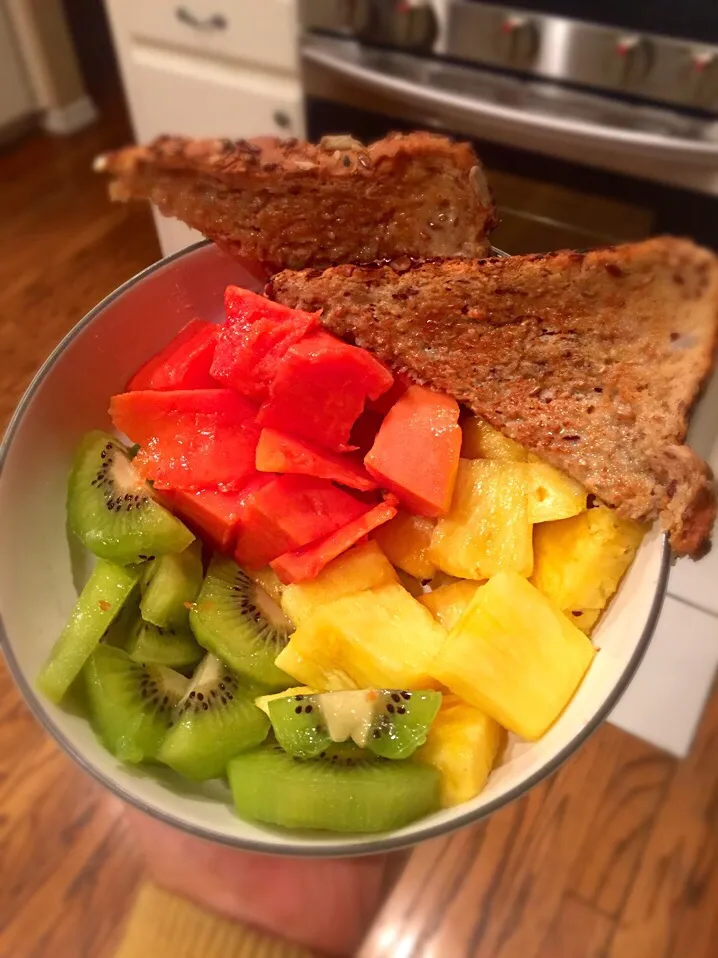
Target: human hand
(323, 904)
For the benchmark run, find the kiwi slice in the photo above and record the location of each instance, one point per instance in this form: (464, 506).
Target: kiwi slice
(173, 647)
(236, 620)
(100, 601)
(112, 510)
(169, 586)
(390, 723)
(338, 792)
(122, 626)
(130, 704)
(215, 721)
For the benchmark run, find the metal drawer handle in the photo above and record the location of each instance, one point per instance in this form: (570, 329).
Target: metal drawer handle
(215, 22)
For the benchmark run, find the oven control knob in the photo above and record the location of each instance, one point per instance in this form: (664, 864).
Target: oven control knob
(352, 15)
(415, 24)
(405, 24)
(632, 59)
(518, 40)
(704, 77)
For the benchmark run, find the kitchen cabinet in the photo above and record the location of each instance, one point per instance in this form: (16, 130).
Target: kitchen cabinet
(208, 68)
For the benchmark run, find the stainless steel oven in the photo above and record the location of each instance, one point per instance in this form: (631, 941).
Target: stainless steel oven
(595, 129)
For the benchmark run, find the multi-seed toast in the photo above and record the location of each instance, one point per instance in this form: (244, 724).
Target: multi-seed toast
(287, 203)
(591, 360)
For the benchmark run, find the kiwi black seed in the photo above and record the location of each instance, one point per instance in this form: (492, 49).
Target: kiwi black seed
(131, 705)
(236, 620)
(343, 790)
(390, 723)
(112, 510)
(216, 720)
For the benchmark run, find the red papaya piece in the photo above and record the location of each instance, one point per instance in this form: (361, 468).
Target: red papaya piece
(416, 451)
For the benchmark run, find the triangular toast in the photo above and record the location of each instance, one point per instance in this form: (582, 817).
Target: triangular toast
(592, 360)
(296, 204)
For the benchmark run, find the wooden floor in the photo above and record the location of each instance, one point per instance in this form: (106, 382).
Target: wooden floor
(615, 857)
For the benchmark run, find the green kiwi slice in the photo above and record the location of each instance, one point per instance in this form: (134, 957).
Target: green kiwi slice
(112, 510)
(122, 626)
(336, 792)
(173, 647)
(390, 723)
(106, 591)
(130, 704)
(236, 620)
(170, 584)
(215, 721)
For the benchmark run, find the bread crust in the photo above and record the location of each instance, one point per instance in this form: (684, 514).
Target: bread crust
(288, 203)
(592, 360)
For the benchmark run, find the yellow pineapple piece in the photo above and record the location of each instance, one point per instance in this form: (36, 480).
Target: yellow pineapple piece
(447, 604)
(552, 494)
(581, 560)
(482, 441)
(487, 528)
(360, 568)
(405, 540)
(514, 655)
(462, 743)
(381, 638)
(584, 619)
(262, 702)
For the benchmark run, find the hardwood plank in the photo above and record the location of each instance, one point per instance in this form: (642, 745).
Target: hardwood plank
(78, 910)
(499, 890)
(577, 931)
(69, 866)
(608, 859)
(672, 909)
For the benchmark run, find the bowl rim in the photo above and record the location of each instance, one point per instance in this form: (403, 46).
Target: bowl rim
(336, 849)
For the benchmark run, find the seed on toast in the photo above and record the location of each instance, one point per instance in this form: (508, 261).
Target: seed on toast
(592, 360)
(288, 203)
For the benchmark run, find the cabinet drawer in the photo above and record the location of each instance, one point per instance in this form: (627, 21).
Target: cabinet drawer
(261, 32)
(183, 96)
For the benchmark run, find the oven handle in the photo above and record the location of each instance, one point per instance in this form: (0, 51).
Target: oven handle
(446, 105)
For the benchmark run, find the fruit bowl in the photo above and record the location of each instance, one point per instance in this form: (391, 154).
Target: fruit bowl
(40, 572)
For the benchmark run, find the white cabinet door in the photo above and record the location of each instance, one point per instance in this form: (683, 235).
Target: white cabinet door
(258, 32)
(174, 94)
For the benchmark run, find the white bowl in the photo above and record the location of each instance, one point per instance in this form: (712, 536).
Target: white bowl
(39, 576)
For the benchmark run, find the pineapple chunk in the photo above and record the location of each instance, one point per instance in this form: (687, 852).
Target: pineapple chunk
(405, 540)
(552, 494)
(381, 638)
(448, 603)
(482, 441)
(585, 619)
(487, 528)
(514, 655)
(462, 743)
(362, 567)
(262, 702)
(580, 561)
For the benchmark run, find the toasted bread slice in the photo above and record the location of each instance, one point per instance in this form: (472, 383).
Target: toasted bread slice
(591, 360)
(286, 203)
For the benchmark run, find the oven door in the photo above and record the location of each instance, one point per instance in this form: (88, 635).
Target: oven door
(641, 141)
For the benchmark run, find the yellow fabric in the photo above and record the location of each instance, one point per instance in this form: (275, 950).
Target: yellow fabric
(162, 925)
